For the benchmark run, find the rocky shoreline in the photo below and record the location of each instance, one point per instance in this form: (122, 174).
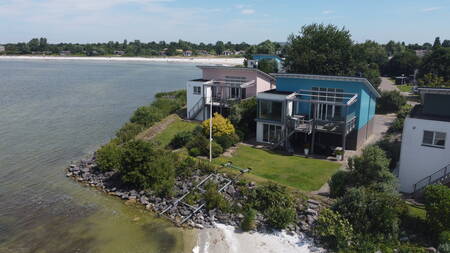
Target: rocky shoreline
(86, 172)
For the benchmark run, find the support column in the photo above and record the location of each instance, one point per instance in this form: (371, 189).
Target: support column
(344, 135)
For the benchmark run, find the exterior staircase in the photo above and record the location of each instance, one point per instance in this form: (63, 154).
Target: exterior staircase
(294, 125)
(441, 176)
(196, 109)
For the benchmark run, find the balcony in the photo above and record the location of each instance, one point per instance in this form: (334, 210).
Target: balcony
(300, 124)
(225, 94)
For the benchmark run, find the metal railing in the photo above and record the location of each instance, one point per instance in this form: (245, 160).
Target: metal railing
(196, 108)
(437, 177)
(300, 124)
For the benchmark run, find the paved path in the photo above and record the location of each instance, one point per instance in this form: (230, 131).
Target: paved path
(387, 85)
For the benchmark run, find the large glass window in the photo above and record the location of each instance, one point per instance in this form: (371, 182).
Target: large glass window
(271, 133)
(434, 139)
(270, 110)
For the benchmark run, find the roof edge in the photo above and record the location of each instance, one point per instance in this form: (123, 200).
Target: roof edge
(270, 76)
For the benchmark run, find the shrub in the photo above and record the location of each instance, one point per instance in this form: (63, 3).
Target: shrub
(220, 126)
(268, 66)
(147, 115)
(195, 152)
(338, 183)
(213, 198)
(217, 150)
(371, 213)
(186, 167)
(166, 106)
(397, 125)
(334, 230)
(243, 116)
(226, 141)
(200, 143)
(437, 205)
(248, 223)
(205, 167)
(390, 102)
(444, 237)
(280, 217)
(108, 157)
(128, 132)
(392, 150)
(180, 139)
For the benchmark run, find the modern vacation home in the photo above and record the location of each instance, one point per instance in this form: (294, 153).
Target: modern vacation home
(425, 154)
(317, 112)
(222, 86)
(253, 63)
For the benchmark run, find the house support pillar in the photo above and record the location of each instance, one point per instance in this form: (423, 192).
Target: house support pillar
(344, 135)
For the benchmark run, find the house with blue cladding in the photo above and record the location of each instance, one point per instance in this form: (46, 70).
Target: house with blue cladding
(317, 112)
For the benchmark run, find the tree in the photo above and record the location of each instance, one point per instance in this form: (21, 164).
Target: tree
(108, 157)
(370, 52)
(404, 63)
(394, 48)
(268, 66)
(432, 80)
(437, 205)
(437, 43)
(446, 43)
(266, 47)
(438, 63)
(320, 49)
(220, 126)
(146, 115)
(334, 230)
(219, 47)
(243, 116)
(390, 102)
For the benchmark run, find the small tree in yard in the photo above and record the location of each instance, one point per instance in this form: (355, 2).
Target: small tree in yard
(220, 126)
(108, 157)
(437, 205)
(334, 230)
(390, 102)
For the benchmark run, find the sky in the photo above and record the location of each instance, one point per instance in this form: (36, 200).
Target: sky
(252, 21)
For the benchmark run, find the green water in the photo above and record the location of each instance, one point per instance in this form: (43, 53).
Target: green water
(53, 112)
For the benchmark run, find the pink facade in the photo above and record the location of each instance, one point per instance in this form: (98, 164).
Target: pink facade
(262, 80)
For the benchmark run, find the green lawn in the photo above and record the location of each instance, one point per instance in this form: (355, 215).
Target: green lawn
(306, 174)
(404, 88)
(416, 211)
(175, 127)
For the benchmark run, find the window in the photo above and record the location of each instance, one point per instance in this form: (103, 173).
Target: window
(197, 90)
(270, 110)
(234, 92)
(434, 139)
(271, 133)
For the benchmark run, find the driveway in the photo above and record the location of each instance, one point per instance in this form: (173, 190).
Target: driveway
(387, 85)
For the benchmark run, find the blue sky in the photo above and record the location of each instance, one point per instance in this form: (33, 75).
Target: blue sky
(210, 20)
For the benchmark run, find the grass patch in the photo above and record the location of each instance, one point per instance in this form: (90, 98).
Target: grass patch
(178, 125)
(404, 88)
(306, 174)
(416, 211)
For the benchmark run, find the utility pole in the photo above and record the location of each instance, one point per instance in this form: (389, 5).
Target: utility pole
(210, 128)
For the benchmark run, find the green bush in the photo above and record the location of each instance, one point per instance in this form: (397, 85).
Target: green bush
(371, 213)
(195, 152)
(249, 223)
(217, 150)
(392, 150)
(334, 230)
(128, 132)
(243, 116)
(108, 157)
(186, 167)
(205, 167)
(213, 198)
(180, 139)
(201, 145)
(444, 237)
(280, 217)
(226, 141)
(338, 183)
(147, 115)
(166, 106)
(397, 125)
(437, 205)
(390, 102)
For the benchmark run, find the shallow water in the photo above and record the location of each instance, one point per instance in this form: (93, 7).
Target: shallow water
(53, 112)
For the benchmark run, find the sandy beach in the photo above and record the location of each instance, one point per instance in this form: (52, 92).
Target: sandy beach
(225, 239)
(194, 60)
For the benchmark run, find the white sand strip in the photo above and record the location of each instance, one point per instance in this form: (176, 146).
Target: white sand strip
(225, 239)
(195, 60)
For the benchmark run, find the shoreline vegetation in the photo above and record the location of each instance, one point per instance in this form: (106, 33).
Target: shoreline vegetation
(222, 198)
(170, 59)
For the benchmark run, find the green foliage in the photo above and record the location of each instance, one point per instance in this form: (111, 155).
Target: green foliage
(249, 223)
(268, 66)
(334, 230)
(243, 116)
(320, 49)
(226, 141)
(392, 150)
(437, 205)
(376, 214)
(339, 183)
(279, 217)
(213, 198)
(397, 125)
(128, 132)
(220, 126)
(403, 63)
(390, 101)
(146, 115)
(217, 150)
(180, 139)
(433, 80)
(438, 63)
(194, 151)
(108, 157)
(186, 167)
(444, 237)
(198, 145)
(145, 167)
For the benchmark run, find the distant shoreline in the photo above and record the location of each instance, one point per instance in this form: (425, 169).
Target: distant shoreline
(198, 60)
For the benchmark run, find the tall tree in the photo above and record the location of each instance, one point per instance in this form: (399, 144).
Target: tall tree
(320, 49)
(219, 47)
(404, 63)
(438, 63)
(437, 43)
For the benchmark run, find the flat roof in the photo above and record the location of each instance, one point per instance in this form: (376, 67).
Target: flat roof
(417, 113)
(277, 92)
(330, 78)
(238, 69)
(200, 80)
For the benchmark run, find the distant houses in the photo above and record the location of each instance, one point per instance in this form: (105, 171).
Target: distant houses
(119, 52)
(187, 53)
(228, 53)
(2, 48)
(65, 53)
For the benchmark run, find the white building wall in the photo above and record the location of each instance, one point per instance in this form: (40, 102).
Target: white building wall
(192, 98)
(418, 161)
(259, 125)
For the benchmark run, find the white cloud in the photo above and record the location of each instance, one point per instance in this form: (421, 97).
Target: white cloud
(327, 12)
(431, 9)
(248, 11)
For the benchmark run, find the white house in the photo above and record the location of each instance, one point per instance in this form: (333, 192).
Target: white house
(425, 151)
(2, 48)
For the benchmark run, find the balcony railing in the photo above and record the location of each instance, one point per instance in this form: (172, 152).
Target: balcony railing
(299, 123)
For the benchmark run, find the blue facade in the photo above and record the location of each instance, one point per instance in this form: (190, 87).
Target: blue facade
(259, 57)
(363, 109)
